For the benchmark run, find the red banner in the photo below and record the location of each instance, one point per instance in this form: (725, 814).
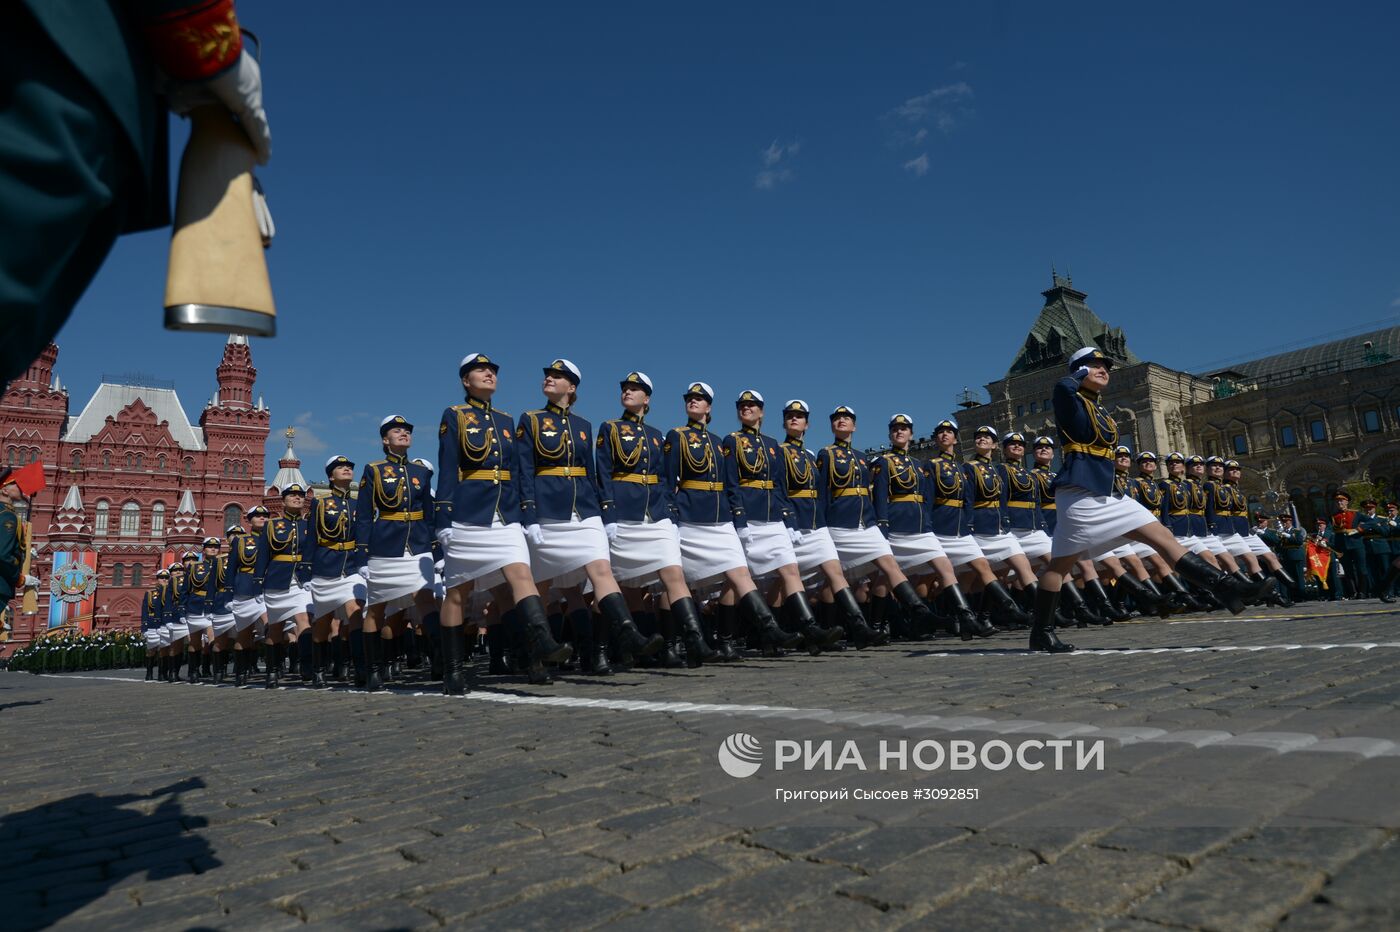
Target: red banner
(1319, 562)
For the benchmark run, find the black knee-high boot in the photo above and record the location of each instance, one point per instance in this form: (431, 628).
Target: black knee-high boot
(540, 642)
(760, 618)
(150, 666)
(727, 629)
(853, 618)
(496, 650)
(1079, 609)
(1102, 603)
(1003, 608)
(664, 624)
(318, 660)
(614, 608)
(1043, 624)
(602, 637)
(1231, 591)
(274, 666)
(687, 616)
(969, 622)
(1145, 595)
(453, 646)
(374, 661)
(580, 622)
(804, 622)
(922, 621)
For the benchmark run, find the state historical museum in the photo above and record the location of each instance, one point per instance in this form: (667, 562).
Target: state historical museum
(131, 482)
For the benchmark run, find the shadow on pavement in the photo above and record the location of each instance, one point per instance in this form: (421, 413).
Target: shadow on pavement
(63, 855)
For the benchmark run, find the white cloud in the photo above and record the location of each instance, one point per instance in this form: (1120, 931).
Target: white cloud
(776, 158)
(1395, 303)
(942, 108)
(307, 440)
(918, 166)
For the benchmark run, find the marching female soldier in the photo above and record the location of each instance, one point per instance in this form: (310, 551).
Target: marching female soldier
(636, 508)
(394, 532)
(150, 625)
(904, 514)
(478, 512)
(988, 524)
(281, 560)
(201, 581)
(337, 588)
(1239, 513)
(711, 551)
(814, 549)
(1089, 514)
(563, 520)
(173, 610)
(247, 603)
(221, 618)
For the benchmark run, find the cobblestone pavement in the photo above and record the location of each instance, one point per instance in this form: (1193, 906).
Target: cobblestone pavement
(1250, 774)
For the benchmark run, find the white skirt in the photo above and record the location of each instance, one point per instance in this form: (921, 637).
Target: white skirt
(641, 550)
(246, 612)
(393, 581)
(1087, 521)
(568, 545)
(769, 547)
(286, 604)
(1117, 548)
(199, 623)
(1256, 545)
(912, 551)
(1193, 544)
(813, 550)
(998, 548)
(1141, 550)
(708, 551)
(960, 550)
(330, 593)
(152, 636)
(1214, 544)
(858, 549)
(1235, 544)
(1034, 544)
(223, 624)
(178, 630)
(478, 553)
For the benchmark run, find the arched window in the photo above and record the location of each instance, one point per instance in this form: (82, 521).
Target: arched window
(160, 462)
(138, 460)
(189, 466)
(77, 459)
(99, 521)
(136, 574)
(10, 456)
(158, 519)
(118, 578)
(131, 519)
(106, 459)
(232, 515)
(128, 460)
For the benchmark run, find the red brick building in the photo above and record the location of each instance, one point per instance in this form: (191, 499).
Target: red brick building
(129, 476)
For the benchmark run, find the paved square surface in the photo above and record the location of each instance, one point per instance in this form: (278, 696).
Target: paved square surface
(1250, 779)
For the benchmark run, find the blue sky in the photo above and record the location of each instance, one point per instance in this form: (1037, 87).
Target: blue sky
(813, 200)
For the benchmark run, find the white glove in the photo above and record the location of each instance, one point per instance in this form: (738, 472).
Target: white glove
(536, 536)
(31, 582)
(364, 573)
(444, 537)
(240, 90)
(1080, 373)
(795, 536)
(746, 535)
(611, 530)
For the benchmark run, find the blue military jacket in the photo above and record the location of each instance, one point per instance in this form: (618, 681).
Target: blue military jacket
(845, 484)
(223, 585)
(1020, 497)
(282, 552)
(1199, 526)
(1045, 488)
(899, 488)
(477, 456)
(200, 583)
(985, 491)
(1239, 510)
(695, 472)
(243, 558)
(1148, 493)
(800, 473)
(172, 600)
(1088, 436)
(1220, 511)
(1176, 505)
(555, 449)
(394, 510)
(150, 610)
(629, 464)
(330, 547)
(947, 497)
(756, 489)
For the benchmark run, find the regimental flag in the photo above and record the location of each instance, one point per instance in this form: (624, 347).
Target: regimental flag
(73, 589)
(1319, 561)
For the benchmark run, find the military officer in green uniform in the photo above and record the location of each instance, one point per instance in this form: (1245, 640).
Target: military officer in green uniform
(1293, 554)
(1374, 533)
(84, 142)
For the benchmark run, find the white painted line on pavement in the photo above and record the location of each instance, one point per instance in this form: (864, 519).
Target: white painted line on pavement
(1283, 742)
(1129, 651)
